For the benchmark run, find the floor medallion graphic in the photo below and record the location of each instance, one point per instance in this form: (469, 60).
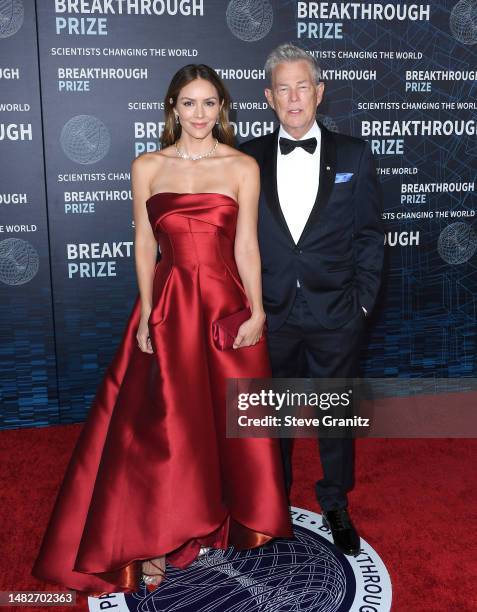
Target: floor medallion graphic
(306, 574)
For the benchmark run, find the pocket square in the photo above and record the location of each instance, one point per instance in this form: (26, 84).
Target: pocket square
(343, 177)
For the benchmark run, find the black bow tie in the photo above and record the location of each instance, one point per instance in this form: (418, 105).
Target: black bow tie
(287, 145)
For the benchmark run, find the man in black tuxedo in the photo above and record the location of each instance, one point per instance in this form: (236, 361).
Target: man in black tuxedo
(321, 245)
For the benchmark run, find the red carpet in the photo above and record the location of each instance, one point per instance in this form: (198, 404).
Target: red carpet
(415, 503)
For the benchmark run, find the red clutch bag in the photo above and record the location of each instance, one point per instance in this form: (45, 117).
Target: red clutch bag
(224, 331)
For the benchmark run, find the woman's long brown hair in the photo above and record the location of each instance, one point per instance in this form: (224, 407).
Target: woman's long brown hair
(222, 130)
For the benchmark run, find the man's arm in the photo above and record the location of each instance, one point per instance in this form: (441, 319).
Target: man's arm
(368, 240)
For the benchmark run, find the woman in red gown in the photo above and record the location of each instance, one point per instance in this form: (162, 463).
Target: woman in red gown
(153, 477)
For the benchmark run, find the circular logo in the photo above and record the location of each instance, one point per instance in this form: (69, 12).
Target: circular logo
(457, 243)
(305, 574)
(11, 17)
(249, 20)
(463, 21)
(19, 261)
(85, 139)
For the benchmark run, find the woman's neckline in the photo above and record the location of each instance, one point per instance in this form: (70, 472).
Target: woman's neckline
(224, 195)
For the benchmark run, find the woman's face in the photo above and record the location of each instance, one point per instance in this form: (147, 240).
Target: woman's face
(198, 107)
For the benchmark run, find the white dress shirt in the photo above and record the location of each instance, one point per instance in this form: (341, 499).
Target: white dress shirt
(298, 177)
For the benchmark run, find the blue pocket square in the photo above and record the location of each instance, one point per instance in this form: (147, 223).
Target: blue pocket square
(343, 177)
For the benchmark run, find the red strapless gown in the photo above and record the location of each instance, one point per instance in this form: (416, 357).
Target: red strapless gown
(153, 472)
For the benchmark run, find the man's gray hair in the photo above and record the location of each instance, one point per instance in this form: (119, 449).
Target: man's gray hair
(289, 52)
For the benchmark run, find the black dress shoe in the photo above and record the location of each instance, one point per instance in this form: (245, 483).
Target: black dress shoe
(344, 534)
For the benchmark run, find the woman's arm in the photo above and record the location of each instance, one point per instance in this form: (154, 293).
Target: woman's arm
(145, 244)
(247, 254)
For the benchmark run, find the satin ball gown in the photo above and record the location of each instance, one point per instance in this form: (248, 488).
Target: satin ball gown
(152, 472)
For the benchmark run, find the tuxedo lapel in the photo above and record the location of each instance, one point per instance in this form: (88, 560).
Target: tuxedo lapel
(269, 182)
(327, 178)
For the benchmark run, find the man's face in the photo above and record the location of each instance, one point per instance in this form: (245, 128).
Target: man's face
(294, 96)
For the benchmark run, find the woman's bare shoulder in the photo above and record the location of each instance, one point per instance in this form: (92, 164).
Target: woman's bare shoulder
(148, 164)
(144, 162)
(247, 165)
(241, 161)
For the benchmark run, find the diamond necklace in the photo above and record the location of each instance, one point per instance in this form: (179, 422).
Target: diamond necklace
(185, 155)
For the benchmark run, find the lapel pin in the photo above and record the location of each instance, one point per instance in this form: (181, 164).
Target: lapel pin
(328, 168)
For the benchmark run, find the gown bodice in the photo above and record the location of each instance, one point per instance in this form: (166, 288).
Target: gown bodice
(194, 228)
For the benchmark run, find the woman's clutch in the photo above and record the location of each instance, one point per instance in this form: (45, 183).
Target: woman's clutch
(225, 330)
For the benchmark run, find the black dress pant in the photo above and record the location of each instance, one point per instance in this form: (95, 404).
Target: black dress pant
(303, 348)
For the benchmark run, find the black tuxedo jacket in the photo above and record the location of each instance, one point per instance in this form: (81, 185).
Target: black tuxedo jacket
(338, 258)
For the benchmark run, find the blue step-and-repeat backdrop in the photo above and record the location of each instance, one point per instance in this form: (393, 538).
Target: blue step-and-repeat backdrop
(81, 90)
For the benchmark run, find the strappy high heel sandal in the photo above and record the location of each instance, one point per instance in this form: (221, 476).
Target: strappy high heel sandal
(148, 578)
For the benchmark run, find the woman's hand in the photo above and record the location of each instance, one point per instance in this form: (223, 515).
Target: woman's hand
(142, 336)
(250, 331)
